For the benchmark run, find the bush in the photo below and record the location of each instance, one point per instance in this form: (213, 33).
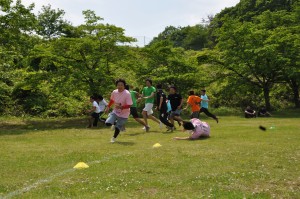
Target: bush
(32, 101)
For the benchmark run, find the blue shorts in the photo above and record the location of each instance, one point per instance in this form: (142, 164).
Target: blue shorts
(113, 118)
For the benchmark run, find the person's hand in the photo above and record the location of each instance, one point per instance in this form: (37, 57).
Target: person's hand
(118, 106)
(106, 110)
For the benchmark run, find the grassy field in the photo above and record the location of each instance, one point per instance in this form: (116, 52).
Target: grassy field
(238, 161)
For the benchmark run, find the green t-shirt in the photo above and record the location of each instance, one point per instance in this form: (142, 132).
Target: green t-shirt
(133, 97)
(147, 91)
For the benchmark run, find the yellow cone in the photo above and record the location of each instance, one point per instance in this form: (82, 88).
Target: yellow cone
(81, 165)
(156, 145)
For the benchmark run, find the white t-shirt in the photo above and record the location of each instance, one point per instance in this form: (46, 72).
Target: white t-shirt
(95, 104)
(102, 105)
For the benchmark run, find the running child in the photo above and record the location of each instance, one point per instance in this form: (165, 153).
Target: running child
(122, 101)
(162, 107)
(148, 94)
(204, 106)
(94, 113)
(194, 102)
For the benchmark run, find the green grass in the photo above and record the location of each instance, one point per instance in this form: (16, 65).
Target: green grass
(238, 161)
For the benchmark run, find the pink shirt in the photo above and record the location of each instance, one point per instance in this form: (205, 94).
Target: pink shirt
(123, 98)
(201, 128)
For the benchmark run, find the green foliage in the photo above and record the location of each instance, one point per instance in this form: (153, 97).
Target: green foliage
(32, 94)
(189, 38)
(5, 100)
(51, 23)
(261, 50)
(168, 66)
(70, 105)
(247, 55)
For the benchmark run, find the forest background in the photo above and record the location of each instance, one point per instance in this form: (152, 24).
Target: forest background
(248, 54)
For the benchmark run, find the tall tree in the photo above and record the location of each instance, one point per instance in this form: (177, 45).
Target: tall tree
(245, 52)
(86, 59)
(168, 65)
(51, 23)
(189, 38)
(17, 22)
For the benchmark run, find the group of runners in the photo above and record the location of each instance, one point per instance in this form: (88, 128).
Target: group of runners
(124, 101)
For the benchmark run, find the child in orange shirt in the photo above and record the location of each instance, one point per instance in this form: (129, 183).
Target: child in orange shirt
(193, 101)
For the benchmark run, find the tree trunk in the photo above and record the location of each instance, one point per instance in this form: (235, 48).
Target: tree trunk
(295, 87)
(266, 90)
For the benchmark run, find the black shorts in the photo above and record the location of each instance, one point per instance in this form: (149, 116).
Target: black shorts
(133, 112)
(95, 115)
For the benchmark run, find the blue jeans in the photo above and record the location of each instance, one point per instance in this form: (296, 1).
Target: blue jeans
(114, 119)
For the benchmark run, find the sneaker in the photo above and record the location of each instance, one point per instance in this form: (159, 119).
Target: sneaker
(179, 123)
(160, 125)
(113, 127)
(147, 128)
(171, 129)
(113, 140)
(144, 128)
(217, 120)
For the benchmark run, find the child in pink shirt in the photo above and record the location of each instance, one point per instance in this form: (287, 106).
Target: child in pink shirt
(122, 101)
(197, 128)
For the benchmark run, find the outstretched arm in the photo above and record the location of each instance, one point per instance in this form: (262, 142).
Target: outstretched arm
(160, 102)
(181, 103)
(111, 102)
(151, 96)
(187, 105)
(182, 138)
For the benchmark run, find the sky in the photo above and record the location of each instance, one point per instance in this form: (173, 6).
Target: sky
(142, 19)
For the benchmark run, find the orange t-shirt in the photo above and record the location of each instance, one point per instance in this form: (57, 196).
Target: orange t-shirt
(194, 101)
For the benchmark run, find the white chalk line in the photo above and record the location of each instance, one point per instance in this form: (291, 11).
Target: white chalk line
(51, 178)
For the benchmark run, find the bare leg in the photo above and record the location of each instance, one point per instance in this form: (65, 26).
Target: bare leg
(145, 116)
(154, 118)
(178, 118)
(90, 119)
(172, 120)
(182, 138)
(140, 121)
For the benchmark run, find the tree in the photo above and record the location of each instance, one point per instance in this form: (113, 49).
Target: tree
(17, 22)
(244, 50)
(189, 38)
(284, 28)
(85, 61)
(169, 66)
(258, 41)
(51, 23)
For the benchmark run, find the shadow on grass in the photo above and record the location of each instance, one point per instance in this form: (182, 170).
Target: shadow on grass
(136, 134)
(201, 138)
(168, 132)
(16, 127)
(125, 143)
